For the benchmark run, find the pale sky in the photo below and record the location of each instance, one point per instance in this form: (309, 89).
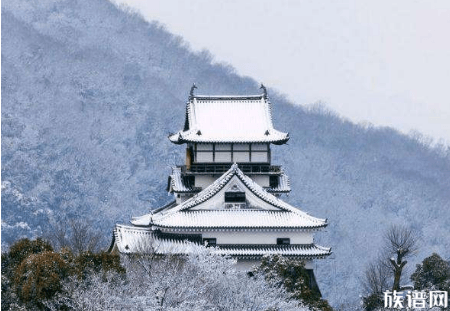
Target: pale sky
(383, 62)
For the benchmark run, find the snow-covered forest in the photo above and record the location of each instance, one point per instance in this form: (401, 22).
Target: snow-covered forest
(36, 277)
(90, 93)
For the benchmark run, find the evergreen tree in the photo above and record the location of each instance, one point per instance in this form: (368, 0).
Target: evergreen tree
(33, 274)
(11, 260)
(24, 248)
(39, 277)
(432, 273)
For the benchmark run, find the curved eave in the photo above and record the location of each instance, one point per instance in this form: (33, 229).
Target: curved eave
(258, 257)
(257, 251)
(237, 228)
(228, 97)
(142, 221)
(178, 139)
(145, 220)
(192, 191)
(277, 191)
(282, 141)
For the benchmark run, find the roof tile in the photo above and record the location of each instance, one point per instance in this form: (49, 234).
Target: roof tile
(241, 119)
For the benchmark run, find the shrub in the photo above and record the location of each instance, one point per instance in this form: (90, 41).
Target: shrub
(39, 277)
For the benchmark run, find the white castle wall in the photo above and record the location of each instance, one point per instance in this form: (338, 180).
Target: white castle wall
(258, 237)
(262, 180)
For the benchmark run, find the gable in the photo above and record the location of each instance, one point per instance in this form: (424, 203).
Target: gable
(209, 204)
(235, 186)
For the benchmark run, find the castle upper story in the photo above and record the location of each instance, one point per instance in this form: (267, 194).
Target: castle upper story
(221, 130)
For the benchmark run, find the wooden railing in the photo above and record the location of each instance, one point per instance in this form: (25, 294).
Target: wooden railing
(212, 168)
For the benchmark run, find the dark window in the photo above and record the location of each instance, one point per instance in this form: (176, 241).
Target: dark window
(209, 242)
(238, 197)
(189, 181)
(283, 241)
(273, 181)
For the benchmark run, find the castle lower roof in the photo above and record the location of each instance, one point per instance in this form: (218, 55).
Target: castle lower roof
(222, 219)
(284, 185)
(259, 250)
(177, 185)
(131, 239)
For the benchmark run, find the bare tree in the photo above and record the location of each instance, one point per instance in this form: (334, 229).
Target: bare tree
(377, 277)
(401, 242)
(84, 238)
(57, 236)
(76, 234)
(386, 272)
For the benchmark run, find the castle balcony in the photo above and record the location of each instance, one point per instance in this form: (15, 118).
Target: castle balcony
(219, 169)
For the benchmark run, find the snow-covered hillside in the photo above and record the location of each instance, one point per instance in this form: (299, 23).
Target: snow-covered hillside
(90, 93)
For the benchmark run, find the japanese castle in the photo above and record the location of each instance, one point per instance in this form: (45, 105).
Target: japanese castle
(227, 194)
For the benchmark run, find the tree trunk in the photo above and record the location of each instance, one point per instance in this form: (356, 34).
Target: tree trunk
(398, 268)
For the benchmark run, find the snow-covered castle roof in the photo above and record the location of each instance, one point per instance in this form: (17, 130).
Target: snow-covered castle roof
(229, 119)
(130, 239)
(206, 210)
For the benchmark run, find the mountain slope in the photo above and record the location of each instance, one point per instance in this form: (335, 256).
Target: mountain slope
(90, 93)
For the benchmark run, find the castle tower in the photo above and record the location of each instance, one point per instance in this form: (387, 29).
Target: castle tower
(227, 194)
